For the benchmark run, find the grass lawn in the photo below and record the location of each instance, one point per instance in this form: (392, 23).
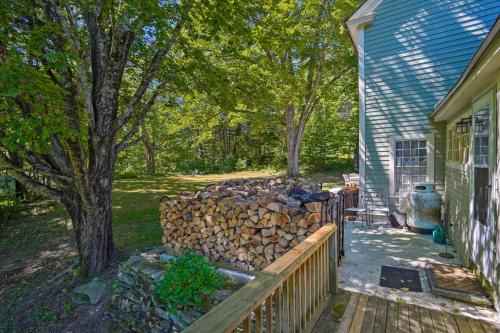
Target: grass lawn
(39, 243)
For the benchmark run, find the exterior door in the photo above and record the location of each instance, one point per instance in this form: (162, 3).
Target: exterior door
(483, 138)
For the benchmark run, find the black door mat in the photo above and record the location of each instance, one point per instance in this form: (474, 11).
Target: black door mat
(400, 278)
(457, 283)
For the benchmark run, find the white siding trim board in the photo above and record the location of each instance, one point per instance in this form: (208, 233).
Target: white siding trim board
(362, 107)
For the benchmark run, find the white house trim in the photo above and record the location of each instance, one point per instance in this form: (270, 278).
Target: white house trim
(362, 108)
(361, 18)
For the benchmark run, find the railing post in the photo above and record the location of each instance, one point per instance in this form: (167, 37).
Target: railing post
(333, 263)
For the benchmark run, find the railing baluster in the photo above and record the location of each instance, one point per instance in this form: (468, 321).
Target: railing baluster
(293, 305)
(279, 308)
(309, 290)
(269, 313)
(315, 280)
(303, 289)
(286, 305)
(258, 319)
(246, 325)
(333, 260)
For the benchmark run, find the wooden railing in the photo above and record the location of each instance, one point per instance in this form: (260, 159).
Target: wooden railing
(287, 296)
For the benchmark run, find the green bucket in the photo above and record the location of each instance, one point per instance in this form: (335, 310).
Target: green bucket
(439, 235)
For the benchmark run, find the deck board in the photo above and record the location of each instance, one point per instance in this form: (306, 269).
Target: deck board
(425, 320)
(357, 321)
(463, 325)
(437, 321)
(403, 320)
(349, 312)
(414, 316)
(392, 317)
(380, 317)
(475, 325)
(451, 324)
(488, 328)
(372, 314)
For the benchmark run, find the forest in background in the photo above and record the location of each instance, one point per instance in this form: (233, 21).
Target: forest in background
(186, 141)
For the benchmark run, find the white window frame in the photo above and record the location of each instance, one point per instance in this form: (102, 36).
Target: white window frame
(430, 139)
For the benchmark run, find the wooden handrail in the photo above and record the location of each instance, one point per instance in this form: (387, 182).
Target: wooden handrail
(287, 296)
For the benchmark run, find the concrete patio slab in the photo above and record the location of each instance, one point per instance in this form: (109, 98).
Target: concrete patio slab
(366, 250)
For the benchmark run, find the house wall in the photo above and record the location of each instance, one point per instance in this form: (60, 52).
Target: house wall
(458, 197)
(476, 244)
(414, 52)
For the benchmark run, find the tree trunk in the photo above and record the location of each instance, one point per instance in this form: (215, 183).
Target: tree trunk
(355, 158)
(17, 161)
(292, 142)
(93, 229)
(149, 149)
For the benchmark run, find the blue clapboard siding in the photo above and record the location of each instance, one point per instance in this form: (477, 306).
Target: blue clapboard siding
(415, 51)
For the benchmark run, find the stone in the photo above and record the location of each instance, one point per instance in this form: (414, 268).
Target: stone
(166, 257)
(125, 277)
(94, 290)
(133, 259)
(162, 314)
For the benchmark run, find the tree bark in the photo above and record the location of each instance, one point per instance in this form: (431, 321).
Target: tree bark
(293, 142)
(93, 230)
(355, 158)
(149, 149)
(20, 190)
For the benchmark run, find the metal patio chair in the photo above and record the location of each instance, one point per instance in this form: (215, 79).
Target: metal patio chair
(362, 209)
(379, 203)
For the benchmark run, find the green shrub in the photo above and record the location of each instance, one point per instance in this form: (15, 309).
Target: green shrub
(190, 280)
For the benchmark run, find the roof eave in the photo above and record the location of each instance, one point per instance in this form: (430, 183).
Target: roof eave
(361, 18)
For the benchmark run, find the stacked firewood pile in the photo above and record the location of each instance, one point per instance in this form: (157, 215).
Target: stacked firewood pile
(248, 223)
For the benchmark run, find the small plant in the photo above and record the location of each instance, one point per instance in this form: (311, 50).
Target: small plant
(190, 280)
(44, 316)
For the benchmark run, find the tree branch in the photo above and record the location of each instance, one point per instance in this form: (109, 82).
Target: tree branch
(69, 27)
(150, 73)
(30, 182)
(135, 127)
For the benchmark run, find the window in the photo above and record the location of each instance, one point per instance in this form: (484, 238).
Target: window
(464, 148)
(481, 137)
(410, 163)
(482, 186)
(457, 146)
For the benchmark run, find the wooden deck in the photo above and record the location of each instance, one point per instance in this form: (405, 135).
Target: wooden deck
(365, 313)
